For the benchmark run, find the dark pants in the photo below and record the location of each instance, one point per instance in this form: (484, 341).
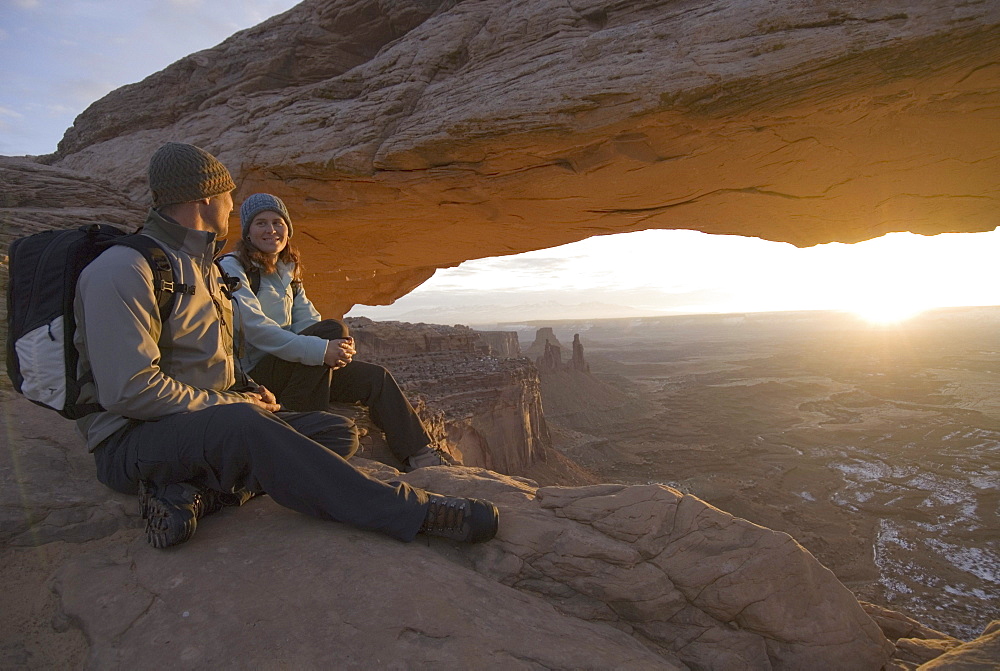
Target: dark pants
(235, 447)
(300, 387)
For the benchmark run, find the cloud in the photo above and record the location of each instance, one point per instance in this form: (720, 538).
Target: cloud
(56, 110)
(27, 4)
(507, 273)
(10, 113)
(529, 262)
(81, 92)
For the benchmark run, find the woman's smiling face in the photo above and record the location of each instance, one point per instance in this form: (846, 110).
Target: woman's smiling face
(269, 232)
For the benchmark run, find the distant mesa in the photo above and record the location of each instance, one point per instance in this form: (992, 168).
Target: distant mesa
(547, 353)
(542, 336)
(502, 343)
(389, 338)
(577, 362)
(401, 338)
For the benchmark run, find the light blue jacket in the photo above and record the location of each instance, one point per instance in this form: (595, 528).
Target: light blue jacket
(269, 323)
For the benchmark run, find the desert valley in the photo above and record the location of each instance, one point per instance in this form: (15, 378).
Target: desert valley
(874, 446)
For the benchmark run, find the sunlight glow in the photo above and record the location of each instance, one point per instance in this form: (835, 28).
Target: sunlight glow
(660, 272)
(886, 312)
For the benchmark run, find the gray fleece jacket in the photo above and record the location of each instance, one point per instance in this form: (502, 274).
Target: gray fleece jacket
(137, 374)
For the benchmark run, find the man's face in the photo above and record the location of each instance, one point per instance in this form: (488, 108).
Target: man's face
(219, 209)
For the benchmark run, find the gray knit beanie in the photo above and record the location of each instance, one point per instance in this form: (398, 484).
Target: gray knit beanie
(181, 173)
(262, 202)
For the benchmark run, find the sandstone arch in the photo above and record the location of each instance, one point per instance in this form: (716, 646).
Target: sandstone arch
(411, 136)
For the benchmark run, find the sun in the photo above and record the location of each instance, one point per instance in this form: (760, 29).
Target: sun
(885, 311)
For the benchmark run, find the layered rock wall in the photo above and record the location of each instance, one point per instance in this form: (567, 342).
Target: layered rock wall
(502, 343)
(402, 338)
(487, 411)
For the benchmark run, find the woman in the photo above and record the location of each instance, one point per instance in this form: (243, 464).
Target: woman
(304, 360)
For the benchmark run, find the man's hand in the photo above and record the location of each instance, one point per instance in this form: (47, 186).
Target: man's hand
(265, 394)
(263, 398)
(339, 353)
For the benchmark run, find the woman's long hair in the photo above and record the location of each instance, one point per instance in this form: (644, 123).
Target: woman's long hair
(248, 256)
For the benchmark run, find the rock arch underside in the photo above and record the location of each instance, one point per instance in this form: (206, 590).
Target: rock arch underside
(412, 136)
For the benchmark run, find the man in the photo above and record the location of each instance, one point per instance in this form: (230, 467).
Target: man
(175, 430)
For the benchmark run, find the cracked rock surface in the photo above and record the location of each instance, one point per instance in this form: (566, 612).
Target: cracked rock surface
(277, 589)
(589, 577)
(603, 576)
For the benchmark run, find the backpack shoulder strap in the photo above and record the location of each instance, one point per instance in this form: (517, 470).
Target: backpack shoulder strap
(253, 274)
(230, 284)
(164, 287)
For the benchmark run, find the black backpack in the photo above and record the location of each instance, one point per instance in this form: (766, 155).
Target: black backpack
(42, 361)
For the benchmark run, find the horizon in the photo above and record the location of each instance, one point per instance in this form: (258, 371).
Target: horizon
(859, 320)
(545, 321)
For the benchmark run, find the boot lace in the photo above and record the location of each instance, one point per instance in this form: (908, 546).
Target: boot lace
(445, 514)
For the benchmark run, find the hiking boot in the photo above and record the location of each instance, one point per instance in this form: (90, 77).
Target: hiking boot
(427, 456)
(233, 499)
(172, 511)
(463, 520)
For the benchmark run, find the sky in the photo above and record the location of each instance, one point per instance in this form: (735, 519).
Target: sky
(59, 56)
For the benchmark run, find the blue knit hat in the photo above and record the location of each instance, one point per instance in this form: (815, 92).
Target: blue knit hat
(262, 202)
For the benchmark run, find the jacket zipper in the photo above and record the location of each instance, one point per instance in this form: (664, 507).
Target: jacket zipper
(230, 366)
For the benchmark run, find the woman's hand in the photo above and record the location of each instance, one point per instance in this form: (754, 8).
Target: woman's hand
(339, 353)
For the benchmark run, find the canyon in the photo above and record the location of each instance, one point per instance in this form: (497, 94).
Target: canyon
(481, 406)
(874, 446)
